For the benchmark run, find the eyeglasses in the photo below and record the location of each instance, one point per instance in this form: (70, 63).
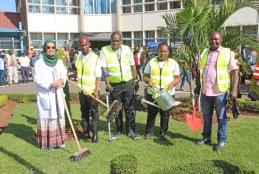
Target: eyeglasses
(51, 47)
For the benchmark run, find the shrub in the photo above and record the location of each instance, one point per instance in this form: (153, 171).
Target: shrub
(126, 163)
(186, 99)
(3, 100)
(22, 98)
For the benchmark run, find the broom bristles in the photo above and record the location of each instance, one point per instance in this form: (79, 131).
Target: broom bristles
(77, 156)
(114, 111)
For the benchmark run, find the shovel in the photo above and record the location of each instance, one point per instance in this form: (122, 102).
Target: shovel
(193, 122)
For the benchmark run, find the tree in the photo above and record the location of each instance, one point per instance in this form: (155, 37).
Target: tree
(199, 18)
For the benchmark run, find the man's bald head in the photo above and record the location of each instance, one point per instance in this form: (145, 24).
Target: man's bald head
(84, 44)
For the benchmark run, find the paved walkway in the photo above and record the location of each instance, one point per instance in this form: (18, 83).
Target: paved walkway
(30, 88)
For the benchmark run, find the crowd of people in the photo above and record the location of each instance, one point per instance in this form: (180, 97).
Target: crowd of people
(121, 69)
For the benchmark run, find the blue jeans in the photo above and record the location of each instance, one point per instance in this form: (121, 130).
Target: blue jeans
(220, 103)
(2, 77)
(186, 76)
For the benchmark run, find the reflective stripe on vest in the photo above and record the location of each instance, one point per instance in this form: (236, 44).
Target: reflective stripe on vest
(167, 75)
(86, 73)
(119, 69)
(223, 74)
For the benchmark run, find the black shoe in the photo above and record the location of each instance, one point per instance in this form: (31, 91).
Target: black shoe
(134, 136)
(163, 137)
(219, 146)
(148, 136)
(203, 141)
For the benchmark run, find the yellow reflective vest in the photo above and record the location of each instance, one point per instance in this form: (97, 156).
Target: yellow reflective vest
(223, 73)
(119, 68)
(86, 73)
(9, 60)
(162, 77)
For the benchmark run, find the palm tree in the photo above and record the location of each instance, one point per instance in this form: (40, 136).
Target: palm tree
(199, 18)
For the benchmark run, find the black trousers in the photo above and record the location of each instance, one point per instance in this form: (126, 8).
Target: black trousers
(88, 106)
(151, 117)
(124, 92)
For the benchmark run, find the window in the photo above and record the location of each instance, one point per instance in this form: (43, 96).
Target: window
(126, 38)
(51, 2)
(36, 40)
(149, 7)
(150, 36)
(102, 7)
(74, 36)
(34, 8)
(138, 38)
(137, 1)
(47, 9)
(62, 40)
(35, 36)
(125, 2)
(61, 10)
(62, 36)
(61, 2)
(34, 1)
(149, 0)
(73, 11)
(88, 6)
(161, 37)
(73, 2)
(162, 6)
(137, 8)
(49, 36)
(126, 9)
(175, 4)
(113, 6)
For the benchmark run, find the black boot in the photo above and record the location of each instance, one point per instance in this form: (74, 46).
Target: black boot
(95, 133)
(130, 128)
(86, 126)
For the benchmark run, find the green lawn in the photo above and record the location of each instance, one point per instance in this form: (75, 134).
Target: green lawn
(19, 154)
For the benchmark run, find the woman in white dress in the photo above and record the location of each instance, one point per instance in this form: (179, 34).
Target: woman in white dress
(50, 107)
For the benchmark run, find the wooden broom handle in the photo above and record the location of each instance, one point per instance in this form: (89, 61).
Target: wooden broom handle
(68, 115)
(97, 99)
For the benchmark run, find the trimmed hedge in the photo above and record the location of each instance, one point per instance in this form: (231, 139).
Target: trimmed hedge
(3, 100)
(22, 98)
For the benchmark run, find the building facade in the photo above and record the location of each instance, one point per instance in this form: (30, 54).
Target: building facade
(137, 20)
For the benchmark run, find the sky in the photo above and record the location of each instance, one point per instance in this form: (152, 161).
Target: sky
(7, 5)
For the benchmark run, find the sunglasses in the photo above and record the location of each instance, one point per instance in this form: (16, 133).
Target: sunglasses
(51, 47)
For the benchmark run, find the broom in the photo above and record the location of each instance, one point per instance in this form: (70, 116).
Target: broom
(113, 110)
(81, 153)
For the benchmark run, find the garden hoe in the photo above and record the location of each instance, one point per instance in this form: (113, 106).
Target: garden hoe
(82, 153)
(113, 110)
(193, 122)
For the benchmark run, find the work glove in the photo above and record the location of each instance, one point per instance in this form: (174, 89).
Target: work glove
(235, 110)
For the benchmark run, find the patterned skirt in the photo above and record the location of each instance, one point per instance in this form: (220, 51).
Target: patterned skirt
(50, 133)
